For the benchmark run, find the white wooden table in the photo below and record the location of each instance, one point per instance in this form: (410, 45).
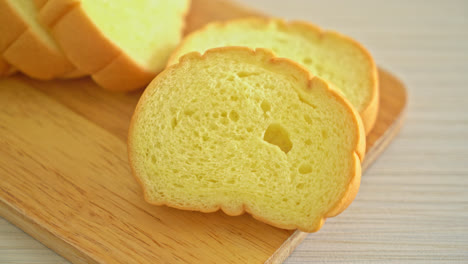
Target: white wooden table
(413, 202)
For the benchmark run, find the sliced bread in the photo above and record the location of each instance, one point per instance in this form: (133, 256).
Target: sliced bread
(31, 48)
(240, 130)
(329, 55)
(11, 27)
(123, 44)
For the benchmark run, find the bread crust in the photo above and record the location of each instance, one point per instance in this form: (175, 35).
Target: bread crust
(33, 57)
(5, 68)
(368, 113)
(358, 153)
(11, 25)
(123, 74)
(52, 10)
(26, 51)
(108, 64)
(39, 3)
(74, 74)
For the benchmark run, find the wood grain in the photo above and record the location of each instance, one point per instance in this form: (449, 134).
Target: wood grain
(66, 181)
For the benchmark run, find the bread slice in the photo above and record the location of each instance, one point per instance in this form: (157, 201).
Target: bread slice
(330, 55)
(124, 44)
(240, 130)
(30, 47)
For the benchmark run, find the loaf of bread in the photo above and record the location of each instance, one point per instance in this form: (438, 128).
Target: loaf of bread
(26, 45)
(329, 55)
(123, 44)
(243, 131)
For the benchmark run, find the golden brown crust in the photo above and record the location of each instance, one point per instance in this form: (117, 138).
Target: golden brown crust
(368, 113)
(39, 3)
(53, 10)
(90, 53)
(32, 56)
(358, 155)
(49, 13)
(108, 64)
(122, 74)
(5, 68)
(25, 50)
(350, 194)
(73, 74)
(11, 25)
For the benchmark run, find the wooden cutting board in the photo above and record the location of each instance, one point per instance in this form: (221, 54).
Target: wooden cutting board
(65, 180)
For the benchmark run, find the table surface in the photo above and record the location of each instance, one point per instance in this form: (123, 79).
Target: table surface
(413, 202)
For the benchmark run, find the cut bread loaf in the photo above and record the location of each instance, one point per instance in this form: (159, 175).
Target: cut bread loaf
(30, 48)
(240, 130)
(123, 44)
(329, 55)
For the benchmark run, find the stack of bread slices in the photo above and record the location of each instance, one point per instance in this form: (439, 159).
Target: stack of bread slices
(121, 48)
(252, 115)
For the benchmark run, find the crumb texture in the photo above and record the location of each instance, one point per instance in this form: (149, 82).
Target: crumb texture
(232, 128)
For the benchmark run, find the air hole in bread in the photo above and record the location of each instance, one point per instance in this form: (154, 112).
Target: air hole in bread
(308, 103)
(308, 119)
(282, 40)
(174, 122)
(305, 168)
(308, 142)
(278, 135)
(265, 106)
(324, 134)
(234, 116)
(189, 112)
(307, 61)
(178, 185)
(246, 74)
